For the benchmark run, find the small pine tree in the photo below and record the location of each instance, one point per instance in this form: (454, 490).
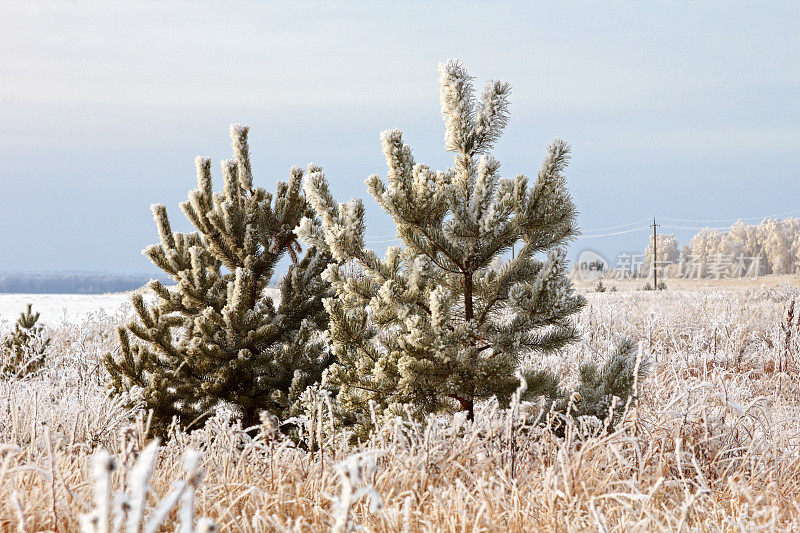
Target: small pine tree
(218, 336)
(438, 323)
(599, 385)
(600, 287)
(23, 350)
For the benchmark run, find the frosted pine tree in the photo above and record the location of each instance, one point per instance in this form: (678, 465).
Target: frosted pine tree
(23, 351)
(218, 335)
(444, 320)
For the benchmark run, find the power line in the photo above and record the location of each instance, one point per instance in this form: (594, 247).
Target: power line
(697, 227)
(680, 227)
(383, 239)
(615, 233)
(619, 226)
(730, 219)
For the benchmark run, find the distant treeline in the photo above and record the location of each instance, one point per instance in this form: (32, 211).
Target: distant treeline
(70, 282)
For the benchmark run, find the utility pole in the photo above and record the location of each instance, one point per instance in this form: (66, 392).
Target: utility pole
(655, 255)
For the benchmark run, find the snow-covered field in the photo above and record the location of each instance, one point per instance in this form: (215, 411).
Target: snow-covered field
(710, 445)
(73, 308)
(56, 308)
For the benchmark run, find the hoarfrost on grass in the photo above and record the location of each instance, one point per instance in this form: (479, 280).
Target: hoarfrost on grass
(717, 429)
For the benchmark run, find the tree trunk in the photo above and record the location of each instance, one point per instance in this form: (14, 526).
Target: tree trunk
(468, 405)
(468, 310)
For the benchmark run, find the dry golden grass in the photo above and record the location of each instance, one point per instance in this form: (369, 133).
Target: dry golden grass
(711, 446)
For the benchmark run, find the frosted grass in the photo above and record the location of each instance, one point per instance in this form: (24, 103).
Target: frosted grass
(713, 444)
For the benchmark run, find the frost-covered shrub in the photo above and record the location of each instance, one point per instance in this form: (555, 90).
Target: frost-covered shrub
(604, 391)
(23, 351)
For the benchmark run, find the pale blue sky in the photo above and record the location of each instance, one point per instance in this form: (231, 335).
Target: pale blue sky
(681, 110)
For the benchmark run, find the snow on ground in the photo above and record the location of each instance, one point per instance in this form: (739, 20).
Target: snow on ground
(56, 308)
(71, 308)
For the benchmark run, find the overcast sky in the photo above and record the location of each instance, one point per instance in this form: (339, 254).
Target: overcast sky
(683, 111)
